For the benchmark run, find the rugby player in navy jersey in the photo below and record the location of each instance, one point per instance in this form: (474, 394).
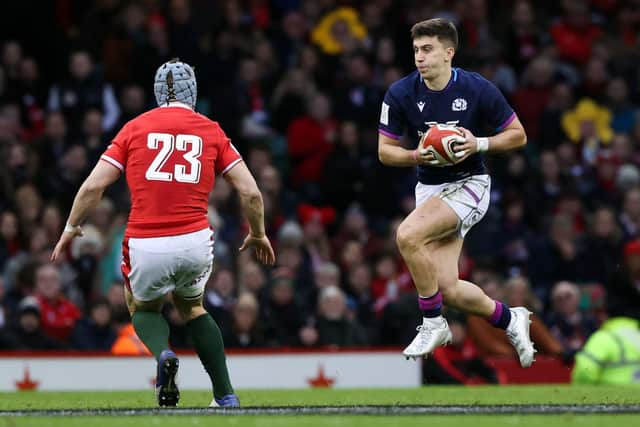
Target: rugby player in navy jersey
(449, 199)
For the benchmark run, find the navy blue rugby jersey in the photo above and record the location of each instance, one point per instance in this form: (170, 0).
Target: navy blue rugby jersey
(468, 100)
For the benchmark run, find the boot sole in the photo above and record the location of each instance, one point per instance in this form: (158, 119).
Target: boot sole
(169, 395)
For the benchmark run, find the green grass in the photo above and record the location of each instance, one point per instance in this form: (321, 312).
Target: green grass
(441, 395)
(335, 421)
(485, 395)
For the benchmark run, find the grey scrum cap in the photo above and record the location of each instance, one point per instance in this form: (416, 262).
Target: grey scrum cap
(175, 81)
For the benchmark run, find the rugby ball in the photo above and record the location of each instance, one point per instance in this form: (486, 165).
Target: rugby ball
(440, 140)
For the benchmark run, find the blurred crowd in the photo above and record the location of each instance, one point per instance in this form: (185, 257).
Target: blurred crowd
(297, 85)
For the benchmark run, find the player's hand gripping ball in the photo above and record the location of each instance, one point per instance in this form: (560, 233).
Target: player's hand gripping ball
(439, 141)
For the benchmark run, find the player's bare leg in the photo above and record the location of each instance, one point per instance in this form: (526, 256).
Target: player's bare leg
(152, 328)
(207, 340)
(430, 245)
(469, 298)
(461, 295)
(429, 222)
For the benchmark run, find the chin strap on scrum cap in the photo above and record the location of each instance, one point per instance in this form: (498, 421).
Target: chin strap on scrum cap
(175, 81)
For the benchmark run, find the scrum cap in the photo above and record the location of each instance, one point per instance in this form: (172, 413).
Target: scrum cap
(175, 81)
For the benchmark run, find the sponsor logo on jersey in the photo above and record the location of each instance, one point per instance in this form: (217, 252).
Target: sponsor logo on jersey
(420, 105)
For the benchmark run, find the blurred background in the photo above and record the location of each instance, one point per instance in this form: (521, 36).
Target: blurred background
(297, 85)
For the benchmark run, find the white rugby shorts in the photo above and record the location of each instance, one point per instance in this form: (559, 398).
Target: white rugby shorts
(469, 198)
(155, 266)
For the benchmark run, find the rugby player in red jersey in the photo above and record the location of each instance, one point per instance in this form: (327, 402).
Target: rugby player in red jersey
(170, 156)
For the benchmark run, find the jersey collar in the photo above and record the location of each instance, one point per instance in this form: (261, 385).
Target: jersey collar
(452, 79)
(176, 104)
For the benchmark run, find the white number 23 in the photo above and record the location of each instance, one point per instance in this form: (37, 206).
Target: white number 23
(166, 142)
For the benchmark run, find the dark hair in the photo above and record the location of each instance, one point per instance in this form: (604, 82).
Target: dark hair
(443, 29)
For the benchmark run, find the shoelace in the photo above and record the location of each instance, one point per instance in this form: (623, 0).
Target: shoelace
(425, 333)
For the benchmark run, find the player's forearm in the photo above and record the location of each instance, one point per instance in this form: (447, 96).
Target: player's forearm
(253, 209)
(509, 139)
(88, 196)
(393, 155)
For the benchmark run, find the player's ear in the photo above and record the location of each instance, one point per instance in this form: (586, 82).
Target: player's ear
(450, 51)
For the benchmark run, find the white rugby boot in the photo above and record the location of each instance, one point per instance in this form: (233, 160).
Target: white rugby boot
(432, 333)
(518, 334)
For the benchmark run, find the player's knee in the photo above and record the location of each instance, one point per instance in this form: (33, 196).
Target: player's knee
(407, 238)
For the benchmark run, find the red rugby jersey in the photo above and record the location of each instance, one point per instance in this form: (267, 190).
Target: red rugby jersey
(170, 156)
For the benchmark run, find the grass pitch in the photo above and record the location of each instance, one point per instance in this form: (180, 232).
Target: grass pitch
(404, 407)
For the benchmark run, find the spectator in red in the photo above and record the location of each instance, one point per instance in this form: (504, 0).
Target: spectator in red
(570, 204)
(531, 100)
(58, 314)
(27, 333)
(390, 281)
(314, 221)
(310, 140)
(575, 33)
(474, 26)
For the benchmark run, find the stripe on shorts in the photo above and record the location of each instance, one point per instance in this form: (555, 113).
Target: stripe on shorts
(471, 193)
(126, 263)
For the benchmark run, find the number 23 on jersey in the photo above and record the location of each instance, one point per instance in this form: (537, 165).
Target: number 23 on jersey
(187, 171)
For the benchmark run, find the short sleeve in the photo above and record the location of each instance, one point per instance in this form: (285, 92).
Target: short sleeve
(228, 155)
(116, 152)
(495, 109)
(391, 118)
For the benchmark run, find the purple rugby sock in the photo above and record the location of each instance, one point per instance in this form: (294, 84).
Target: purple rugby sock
(431, 306)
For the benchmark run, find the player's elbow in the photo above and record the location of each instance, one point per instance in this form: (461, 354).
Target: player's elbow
(251, 195)
(522, 139)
